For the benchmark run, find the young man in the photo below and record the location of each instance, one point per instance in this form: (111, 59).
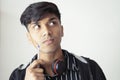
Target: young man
(43, 23)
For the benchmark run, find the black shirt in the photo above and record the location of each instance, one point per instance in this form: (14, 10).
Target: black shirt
(78, 68)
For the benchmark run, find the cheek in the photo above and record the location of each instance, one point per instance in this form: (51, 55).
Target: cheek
(58, 36)
(59, 32)
(35, 37)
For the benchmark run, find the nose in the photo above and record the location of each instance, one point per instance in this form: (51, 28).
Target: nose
(46, 31)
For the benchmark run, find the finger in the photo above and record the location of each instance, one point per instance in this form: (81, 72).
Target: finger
(40, 78)
(35, 63)
(35, 70)
(37, 76)
(39, 70)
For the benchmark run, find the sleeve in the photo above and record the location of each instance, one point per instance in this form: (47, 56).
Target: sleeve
(96, 71)
(17, 74)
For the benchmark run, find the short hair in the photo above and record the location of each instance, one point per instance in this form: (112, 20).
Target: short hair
(36, 11)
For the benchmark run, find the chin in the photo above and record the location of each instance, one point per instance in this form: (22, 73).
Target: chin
(49, 50)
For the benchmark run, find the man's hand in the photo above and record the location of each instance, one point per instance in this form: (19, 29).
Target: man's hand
(33, 72)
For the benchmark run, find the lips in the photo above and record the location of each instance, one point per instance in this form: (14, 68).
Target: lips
(48, 41)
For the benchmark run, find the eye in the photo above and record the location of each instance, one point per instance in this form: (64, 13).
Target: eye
(52, 23)
(36, 27)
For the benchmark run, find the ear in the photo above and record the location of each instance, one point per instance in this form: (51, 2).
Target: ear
(30, 39)
(62, 31)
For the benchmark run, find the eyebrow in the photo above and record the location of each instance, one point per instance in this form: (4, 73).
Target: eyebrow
(53, 18)
(50, 19)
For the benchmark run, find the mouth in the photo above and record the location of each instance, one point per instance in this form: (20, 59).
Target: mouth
(48, 41)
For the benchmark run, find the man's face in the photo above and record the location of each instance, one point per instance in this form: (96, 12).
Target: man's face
(47, 33)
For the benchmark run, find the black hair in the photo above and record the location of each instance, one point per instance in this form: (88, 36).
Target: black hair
(36, 11)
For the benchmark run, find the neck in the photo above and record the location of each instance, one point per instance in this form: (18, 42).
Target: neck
(48, 58)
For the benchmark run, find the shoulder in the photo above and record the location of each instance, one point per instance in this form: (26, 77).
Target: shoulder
(81, 58)
(85, 60)
(71, 55)
(18, 73)
(92, 63)
(93, 67)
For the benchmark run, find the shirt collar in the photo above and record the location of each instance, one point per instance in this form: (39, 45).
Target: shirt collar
(70, 60)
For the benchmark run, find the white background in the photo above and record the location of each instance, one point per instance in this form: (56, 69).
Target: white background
(91, 29)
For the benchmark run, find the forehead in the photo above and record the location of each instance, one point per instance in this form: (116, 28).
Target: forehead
(48, 17)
